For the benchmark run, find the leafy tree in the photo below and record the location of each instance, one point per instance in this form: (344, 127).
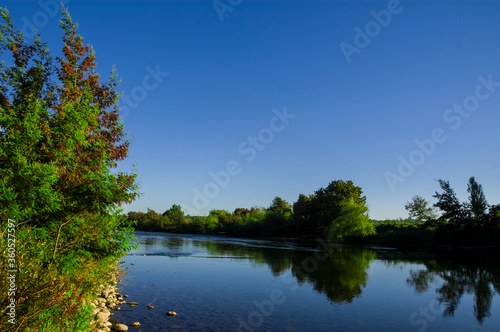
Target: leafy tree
(330, 201)
(217, 219)
(477, 200)
(353, 221)
(280, 205)
(419, 209)
(175, 214)
(278, 218)
(60, 141)
(241, 212)
(60, 136)
(303, 214)
(449, 204)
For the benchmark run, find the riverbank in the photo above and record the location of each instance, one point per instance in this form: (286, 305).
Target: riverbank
(104, 301)
(54, 295)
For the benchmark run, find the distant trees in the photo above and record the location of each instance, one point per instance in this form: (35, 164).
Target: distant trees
(419, 209)
(280, 205)
(339, 211)
(175, 214)
(331, 199)
(303, 215)
(477, 201)
(473, 212)
(311, 216)
(353, 221)
(449, 204)
(314, 214)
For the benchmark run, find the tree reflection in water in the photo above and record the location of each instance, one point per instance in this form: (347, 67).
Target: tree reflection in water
(459, 279)
(342, 273)
(341, 276)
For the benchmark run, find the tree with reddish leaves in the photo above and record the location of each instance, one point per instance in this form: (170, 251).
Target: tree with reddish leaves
(60, 137)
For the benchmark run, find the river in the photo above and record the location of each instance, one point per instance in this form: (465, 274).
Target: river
(230, 284)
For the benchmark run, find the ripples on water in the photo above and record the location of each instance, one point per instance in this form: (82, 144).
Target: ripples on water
(227, 284)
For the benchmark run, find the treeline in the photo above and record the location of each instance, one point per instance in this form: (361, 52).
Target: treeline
(339, 212)
(461, 224)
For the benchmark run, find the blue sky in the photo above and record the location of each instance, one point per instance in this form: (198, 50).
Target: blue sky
(278, 98)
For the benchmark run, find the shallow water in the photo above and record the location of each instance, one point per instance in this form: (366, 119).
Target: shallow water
(227, 284)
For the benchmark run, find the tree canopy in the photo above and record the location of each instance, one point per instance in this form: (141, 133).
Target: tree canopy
(419, 208)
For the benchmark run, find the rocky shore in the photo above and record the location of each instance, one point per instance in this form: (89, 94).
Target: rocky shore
(107, 300)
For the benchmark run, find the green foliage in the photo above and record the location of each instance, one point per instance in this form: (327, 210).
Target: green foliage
(449, 204)
(398, 233)
(477, 200)
(314, 214)
(352, 222)
(280, 205)
(331, 200)
(419, 208)
(342, 204)
(303, 215)
(60, 140)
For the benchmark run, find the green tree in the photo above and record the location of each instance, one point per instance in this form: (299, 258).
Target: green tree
(60, 136)
(278, 218)
(303, 214)
(353, 221)
(419, 208)
(280, 205)
(449, 204)
(60, 141)
(175, 214)
(477, 201)
(217, 219)
(330, 201)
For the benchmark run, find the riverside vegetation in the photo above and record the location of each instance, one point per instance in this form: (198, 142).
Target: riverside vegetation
(339, 212)
(60, 141)
(60, 138)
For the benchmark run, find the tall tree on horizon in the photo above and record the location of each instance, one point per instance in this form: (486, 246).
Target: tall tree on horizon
(419, 208)
(477, 200)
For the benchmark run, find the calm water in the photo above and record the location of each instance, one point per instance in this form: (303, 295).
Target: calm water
(227, 284)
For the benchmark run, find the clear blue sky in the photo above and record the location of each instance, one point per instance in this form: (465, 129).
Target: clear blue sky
(360, 100)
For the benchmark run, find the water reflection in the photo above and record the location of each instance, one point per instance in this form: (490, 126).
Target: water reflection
(341, 272)
(341, 277)
(457, 280)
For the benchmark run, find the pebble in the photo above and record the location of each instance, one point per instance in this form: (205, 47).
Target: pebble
(121, 327)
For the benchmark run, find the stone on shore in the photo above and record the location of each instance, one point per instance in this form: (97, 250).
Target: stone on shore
(102, 316)
(120, 327)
